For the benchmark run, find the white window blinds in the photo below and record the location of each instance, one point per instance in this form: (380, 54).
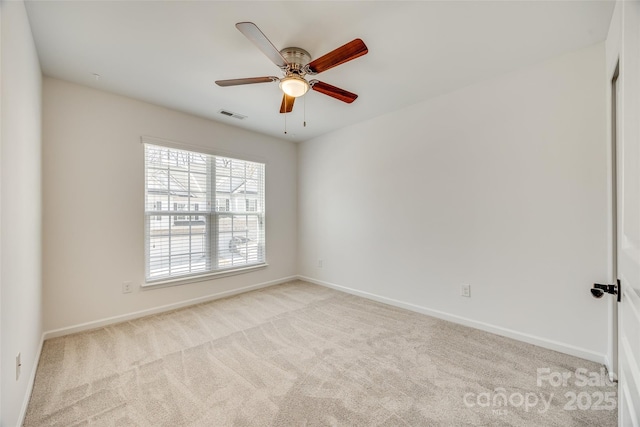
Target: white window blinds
(203, 213)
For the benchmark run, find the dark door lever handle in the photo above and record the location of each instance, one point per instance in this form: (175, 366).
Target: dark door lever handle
(599, 289)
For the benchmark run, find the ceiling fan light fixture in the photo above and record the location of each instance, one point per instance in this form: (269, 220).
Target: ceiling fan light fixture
(294, 86)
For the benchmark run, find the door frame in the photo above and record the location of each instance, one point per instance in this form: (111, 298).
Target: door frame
(612, 365)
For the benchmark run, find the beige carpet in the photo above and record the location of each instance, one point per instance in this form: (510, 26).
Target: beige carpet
(299, 354)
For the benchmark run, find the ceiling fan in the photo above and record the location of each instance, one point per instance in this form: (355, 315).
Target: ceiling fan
(294, 63)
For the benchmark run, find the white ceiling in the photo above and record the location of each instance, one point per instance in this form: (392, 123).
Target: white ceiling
(171, 52)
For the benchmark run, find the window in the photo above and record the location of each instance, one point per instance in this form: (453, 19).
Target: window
(159, 208)
(203, 213)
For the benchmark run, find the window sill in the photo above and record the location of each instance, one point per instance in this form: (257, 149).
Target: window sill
(163, 283)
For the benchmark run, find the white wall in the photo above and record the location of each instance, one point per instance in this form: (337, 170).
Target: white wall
(502, 185)
(93, 173)
(20, 215)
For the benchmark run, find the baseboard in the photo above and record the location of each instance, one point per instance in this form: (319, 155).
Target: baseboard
(30, 384)
(498, 330)
(613, 376)
(155, 310)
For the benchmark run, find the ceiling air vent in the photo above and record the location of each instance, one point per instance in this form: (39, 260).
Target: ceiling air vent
(231, 114)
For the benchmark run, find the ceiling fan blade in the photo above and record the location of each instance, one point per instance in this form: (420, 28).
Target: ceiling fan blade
(247, 81)
(344, 53)
(257, 37)
(335, 92)
(287, 103)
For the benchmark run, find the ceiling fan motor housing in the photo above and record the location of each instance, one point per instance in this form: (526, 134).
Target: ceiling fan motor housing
(297, 59)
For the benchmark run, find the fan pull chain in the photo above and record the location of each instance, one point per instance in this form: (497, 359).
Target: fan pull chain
(285, 123)
(284, 102)
(304, 108)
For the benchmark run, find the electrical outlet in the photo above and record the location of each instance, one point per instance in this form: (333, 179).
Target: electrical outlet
(319, 263)
(127, 287)
(18, 366)
(465, 290)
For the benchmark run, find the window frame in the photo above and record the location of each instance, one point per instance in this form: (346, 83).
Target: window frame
(212, 219)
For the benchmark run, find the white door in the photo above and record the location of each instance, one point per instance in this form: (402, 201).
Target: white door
(629, 219)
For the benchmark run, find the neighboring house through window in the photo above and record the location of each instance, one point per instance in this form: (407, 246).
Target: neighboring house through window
(203, 213)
